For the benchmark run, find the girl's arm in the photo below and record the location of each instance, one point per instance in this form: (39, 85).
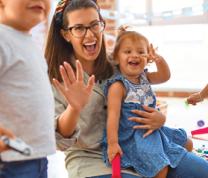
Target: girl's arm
(77, 95)
(116, 93)
(163, 72)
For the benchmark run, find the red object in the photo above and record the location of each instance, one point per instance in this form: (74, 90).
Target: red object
(199, 131)
(116, 167)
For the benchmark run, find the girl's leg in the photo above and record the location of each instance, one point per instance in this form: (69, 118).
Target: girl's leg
(189, 145)
(191, 166)
(163, 173)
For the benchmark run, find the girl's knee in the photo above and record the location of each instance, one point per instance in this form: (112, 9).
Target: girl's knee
(189, 145)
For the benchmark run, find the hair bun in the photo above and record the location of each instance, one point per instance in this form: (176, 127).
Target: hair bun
(122, 29)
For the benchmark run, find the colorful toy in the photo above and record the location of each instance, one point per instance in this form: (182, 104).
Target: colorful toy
(200, 123)
(200, 133)
(202, 152)
(116, 167)
(186, 104)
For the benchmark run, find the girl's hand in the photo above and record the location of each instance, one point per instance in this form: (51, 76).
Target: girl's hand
(4, 132)
(194, 98)
(73, 88)
(150, 119)
(113, 150)
(153, 56)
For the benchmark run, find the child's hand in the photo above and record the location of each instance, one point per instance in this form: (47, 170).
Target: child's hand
(75, 91)
(194, 98)
(113, 150)
(4, 132)
(153, 56)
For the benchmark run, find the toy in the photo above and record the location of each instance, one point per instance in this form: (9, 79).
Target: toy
(18, 145)
(202, 152)
(200, 123)
(186, 104)
(200, 133)
(116, 167)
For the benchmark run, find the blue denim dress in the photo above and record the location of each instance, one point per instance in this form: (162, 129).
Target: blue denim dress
(147, 156)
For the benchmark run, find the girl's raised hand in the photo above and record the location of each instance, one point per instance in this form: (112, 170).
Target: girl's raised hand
(150, 119)
(73, 88)
(153, 56)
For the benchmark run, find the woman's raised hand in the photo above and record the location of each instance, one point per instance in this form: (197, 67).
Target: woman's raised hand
(73, 88)
(150, 119)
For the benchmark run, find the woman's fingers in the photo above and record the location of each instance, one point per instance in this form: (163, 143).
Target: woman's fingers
(59, 87)
(90, 83)
(64, 76)
(142, 114)
(79, 72)
(70, 72)
(142, 127)
(148, 109)
(149, 132)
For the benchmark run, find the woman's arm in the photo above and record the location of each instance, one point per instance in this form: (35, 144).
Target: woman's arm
(163, 72)
(76, 94)
(115, 97)
(150, 119)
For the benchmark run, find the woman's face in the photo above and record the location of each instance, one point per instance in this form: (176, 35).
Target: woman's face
(87, 47)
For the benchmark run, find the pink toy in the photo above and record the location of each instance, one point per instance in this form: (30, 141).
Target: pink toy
(116, 167)
(200, 133)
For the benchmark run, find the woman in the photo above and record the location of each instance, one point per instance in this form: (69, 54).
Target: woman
(76, 32)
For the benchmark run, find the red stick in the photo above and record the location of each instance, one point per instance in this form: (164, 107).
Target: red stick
(116, 167)
(199, 131)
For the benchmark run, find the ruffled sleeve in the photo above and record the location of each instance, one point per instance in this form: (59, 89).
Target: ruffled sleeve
(115, 78)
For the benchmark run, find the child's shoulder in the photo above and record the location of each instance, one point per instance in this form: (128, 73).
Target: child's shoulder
(117, 77)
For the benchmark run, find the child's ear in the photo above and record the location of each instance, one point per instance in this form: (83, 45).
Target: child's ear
(64, 34)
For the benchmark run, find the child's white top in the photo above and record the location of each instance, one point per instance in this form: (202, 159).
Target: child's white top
(26, 99)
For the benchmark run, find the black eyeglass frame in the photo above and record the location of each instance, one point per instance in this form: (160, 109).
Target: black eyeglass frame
(87, 27)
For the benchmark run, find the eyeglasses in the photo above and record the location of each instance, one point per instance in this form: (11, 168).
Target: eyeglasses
(80, 31)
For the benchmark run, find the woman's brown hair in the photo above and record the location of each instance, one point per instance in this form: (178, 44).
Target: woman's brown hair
(59, 50)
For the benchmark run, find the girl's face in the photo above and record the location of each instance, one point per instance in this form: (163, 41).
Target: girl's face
(132, 58)
(87, 47)
(23, 14)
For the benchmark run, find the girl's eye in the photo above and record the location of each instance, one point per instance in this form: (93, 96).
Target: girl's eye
(127, 52)
(141, 52)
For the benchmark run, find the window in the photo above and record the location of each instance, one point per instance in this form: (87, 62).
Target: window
(179, 29)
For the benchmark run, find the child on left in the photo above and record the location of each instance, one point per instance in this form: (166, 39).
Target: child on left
(26, 99)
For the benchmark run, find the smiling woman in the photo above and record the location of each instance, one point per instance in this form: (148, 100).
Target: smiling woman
(81, 105)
